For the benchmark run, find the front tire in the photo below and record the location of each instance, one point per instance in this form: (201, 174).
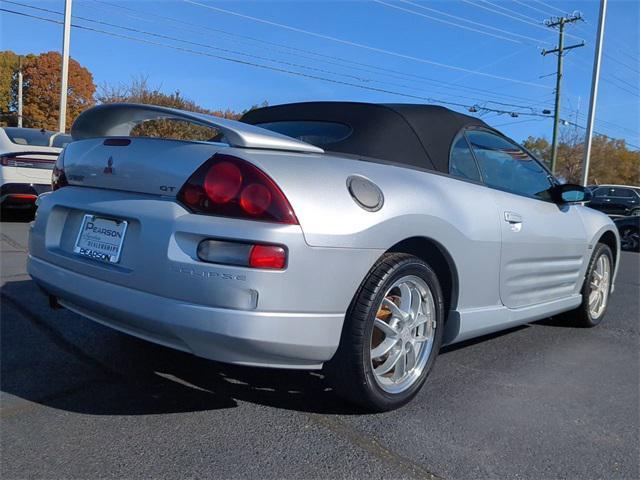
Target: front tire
(596, 289)
(391, 336)
(629, 239)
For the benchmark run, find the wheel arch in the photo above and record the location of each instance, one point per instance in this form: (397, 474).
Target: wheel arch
(438, 257)
(610, 239)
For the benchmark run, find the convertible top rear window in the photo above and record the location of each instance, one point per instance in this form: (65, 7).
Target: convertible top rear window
(313, 132)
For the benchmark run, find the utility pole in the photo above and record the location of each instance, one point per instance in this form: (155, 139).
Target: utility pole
(559, 22)
(594, 92)
(20, 91)
(62, 121)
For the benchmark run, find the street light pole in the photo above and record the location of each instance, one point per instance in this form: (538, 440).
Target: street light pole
(62, 121)
(594, 92)
(20, 92)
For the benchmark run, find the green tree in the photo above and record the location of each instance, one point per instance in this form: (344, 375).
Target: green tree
(8, 67)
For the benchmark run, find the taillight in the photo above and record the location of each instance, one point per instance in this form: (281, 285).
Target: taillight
(58, 178)
(243, 254)
(231, 187)
(268, 256)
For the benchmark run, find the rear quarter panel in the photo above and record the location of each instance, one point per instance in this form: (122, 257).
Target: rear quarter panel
(460, 216)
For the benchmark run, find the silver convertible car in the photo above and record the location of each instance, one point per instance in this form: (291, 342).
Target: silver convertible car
(359, 238)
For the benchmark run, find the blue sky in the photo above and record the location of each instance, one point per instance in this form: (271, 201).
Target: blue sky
(386, 51)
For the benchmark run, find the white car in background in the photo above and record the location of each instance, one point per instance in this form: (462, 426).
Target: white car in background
(27, 157)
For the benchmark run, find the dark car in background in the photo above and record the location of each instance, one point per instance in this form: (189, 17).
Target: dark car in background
(616, 199)
(629, 228)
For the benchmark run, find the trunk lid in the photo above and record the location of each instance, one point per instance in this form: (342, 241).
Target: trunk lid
(143, 165)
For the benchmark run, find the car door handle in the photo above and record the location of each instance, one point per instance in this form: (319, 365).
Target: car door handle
(512, 217)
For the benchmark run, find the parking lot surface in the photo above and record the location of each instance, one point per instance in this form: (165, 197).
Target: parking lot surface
(542, 401)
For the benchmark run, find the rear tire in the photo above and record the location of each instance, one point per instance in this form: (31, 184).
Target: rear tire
(595, 290)
(391, 335)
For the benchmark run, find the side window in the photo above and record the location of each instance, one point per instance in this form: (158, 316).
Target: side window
(622, 192)
(601, 192)
(506, 166)
(461, 162)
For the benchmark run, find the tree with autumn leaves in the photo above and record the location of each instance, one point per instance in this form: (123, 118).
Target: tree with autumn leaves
(611, 160)
(41, 89)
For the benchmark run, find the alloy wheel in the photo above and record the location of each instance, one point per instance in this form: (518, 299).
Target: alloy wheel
(629, 239)
(403, 334)
(599, 286)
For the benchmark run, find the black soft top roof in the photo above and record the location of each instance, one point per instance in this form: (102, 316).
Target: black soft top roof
(415, 135)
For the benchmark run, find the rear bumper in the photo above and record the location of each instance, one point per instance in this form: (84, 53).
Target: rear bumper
(271, 339)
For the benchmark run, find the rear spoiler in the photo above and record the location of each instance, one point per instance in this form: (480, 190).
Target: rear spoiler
(118, 119)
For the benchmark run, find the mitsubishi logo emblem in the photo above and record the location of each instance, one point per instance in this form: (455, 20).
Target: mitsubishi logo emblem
(109, 170)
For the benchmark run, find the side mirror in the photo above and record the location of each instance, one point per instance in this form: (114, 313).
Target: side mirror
(570, 193)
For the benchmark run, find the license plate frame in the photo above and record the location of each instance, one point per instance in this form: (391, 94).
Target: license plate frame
(99, 242)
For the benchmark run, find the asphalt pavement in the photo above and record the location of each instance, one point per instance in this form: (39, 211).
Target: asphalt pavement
(79, 400)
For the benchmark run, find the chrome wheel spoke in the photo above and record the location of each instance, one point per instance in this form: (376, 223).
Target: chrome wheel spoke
(411, 357)
(593, 296)
(395, 310)
(406, 297)
(384, 347)
(385, 328)
(389, 363)
(422, 338)
(419, 321)
(400, 366)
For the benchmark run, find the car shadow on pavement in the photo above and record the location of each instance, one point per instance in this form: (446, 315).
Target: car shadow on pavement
(21, 216)
(61, 360)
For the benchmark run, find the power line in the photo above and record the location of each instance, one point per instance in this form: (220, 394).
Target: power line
(536, 40)
(430, 99)
(622, 48)
(548, 6)
(514, 12)
(573, 124)
(530, 7)
(276, 69)
(605, 78)
(167, 37)
(620, 62)
(532, 23)
(363, 46)
(447, 22)
(517, 123)
(362, 79)
(330, 59)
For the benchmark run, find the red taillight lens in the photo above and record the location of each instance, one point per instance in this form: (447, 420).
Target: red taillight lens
(243, 254)
(223, 181)
(58, 178)
(231, 187)
(267, 256)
